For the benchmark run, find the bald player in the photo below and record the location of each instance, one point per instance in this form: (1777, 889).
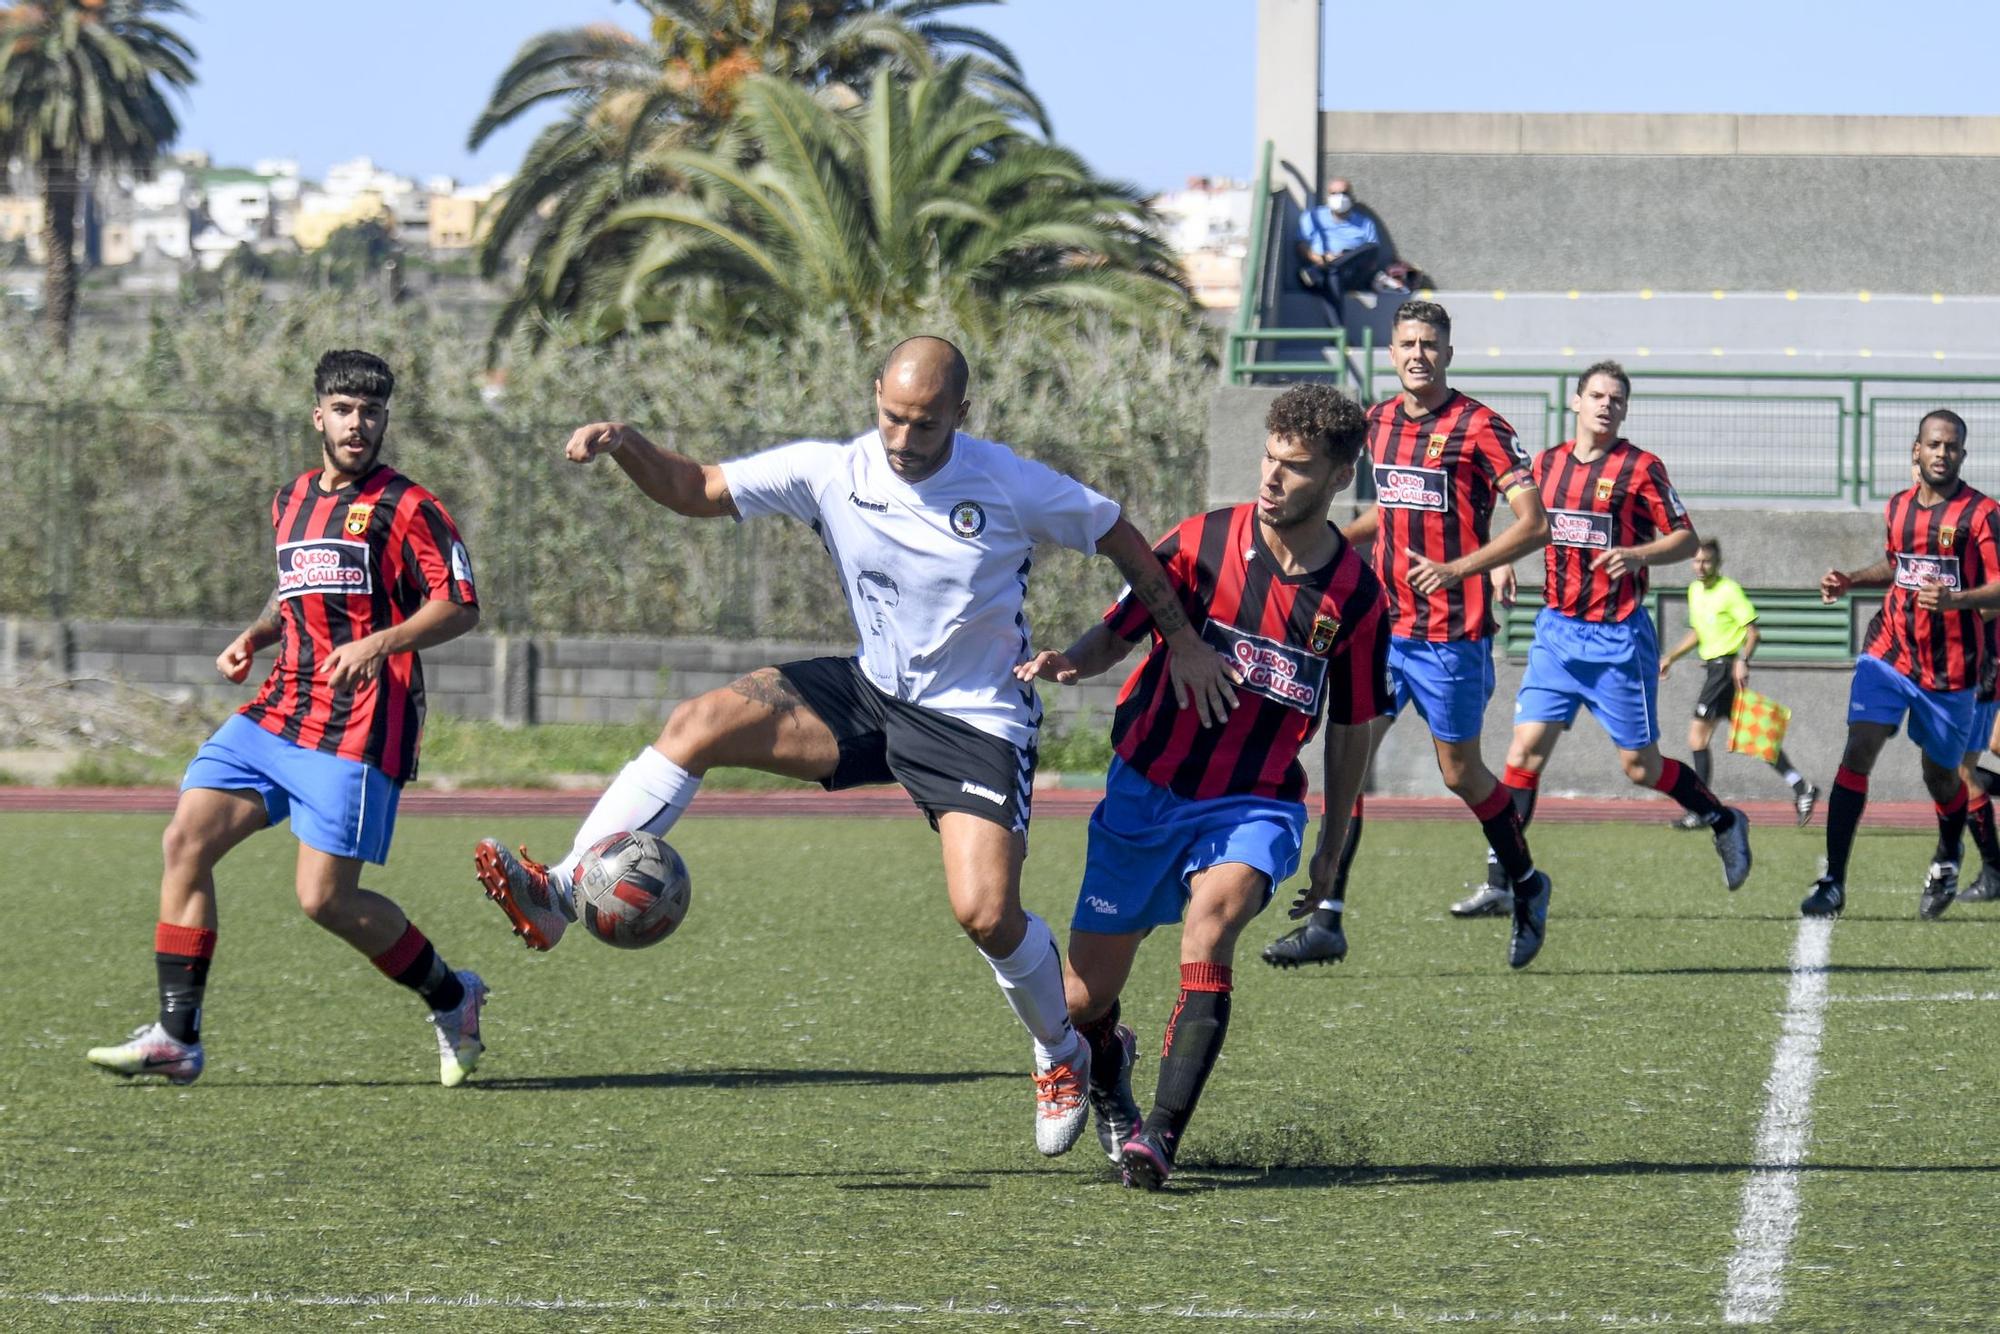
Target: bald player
(931, 531)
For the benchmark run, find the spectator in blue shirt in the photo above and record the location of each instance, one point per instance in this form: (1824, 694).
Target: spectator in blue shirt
(1342, 250)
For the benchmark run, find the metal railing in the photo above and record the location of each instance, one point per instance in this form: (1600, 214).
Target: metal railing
(1248, 339)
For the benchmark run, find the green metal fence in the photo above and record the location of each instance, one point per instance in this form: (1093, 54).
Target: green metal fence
(1251, 347)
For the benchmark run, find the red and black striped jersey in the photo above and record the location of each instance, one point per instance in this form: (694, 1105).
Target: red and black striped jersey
(351, 562)
(1950, 543)
(1437, 477)
(1622, 498)
(1305, 644)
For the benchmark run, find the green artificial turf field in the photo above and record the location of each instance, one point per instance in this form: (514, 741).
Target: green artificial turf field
(810, 1108)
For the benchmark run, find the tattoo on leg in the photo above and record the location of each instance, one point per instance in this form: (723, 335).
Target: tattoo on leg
(768, 687)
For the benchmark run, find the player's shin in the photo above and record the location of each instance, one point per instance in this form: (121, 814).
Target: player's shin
(649, 795)
(1031, 979)
(1193, 1042)
(1521, 786)
(1979, 819)
(1327, 915)
(1843, 817)
(181, 956)
(1951, 820)
(1504, 837)
(414, 963)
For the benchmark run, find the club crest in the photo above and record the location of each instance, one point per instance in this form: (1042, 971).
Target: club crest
(1946, 536)
(1323, 632)
(357, 519)
(1434, 450)
(1605, 485)
(968, 519)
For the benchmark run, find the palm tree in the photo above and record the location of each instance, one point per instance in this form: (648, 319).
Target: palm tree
(83, 87)
(926, 196)
(632, 99)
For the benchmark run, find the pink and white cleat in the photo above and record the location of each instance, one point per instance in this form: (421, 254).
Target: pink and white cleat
(151, 1050)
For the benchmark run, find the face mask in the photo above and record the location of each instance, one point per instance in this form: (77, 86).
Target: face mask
(1339, 203)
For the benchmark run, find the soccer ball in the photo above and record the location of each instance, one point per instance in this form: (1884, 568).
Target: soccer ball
(633, 890)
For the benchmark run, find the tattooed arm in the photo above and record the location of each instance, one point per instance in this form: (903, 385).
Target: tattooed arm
(235, 661)
(1203, 679)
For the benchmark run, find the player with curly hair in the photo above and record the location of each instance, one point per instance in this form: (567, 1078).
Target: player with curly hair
(1202, 824)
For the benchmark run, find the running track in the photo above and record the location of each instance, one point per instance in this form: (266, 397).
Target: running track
(889, 801)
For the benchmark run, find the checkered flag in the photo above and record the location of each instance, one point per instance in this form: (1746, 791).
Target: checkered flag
(1757, 725)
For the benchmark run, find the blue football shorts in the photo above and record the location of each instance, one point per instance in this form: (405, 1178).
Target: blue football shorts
(1448, 683)
(1147, 843)
(1940, 720)
(343, 808)
(1611, 668)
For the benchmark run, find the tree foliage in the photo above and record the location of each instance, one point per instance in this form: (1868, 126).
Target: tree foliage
(84, 86)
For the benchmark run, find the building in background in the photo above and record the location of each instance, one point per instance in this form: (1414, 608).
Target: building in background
(1208, 224)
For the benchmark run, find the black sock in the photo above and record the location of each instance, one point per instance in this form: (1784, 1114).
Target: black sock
(1501, 822)
(1979, 819)
(1105, 1057)
(1989, 781)
(1951, 829)
(1703, 763)
(1681, 783)
(183, 978)
(1194, 1040)
(431, 977)
(1843, 817)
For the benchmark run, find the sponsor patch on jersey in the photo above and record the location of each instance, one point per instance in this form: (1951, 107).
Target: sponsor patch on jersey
(1580, 528)
(1946, 536)
(324, 565)
(1412, 488)
(968, 519)
(1277, 671)
(1914, 572)
(1323, 632)
(461, 564)
(1434, 450)
(357, 519)
(1605, 486)
(1674, 506)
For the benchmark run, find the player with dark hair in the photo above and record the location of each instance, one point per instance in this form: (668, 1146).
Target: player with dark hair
(1441, 462)
(1722, 624)
(933, 531)
(370, 570)
(1206, 822)
(1921, 658)
(1612, 514)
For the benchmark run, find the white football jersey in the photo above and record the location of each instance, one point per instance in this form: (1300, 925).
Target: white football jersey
(935, 573)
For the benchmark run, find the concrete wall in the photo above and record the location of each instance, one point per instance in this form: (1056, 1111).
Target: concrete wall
(550, 679)
(1690, 203)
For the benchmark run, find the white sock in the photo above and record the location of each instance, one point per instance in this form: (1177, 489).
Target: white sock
(649, 794)
(1031, 978)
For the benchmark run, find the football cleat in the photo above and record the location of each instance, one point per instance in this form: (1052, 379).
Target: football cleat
(1484, 901)
(533, 900)
(1147, 1160)
(151, 1050)
(1117, 1111)
(1307, 943)
(1733, 846)
(1689, 821)
(458, 1032)
(1531, 923)
(1062, 1104)
(1985, 889)
(1940, 888)
(1804, 802)
(1826, 900)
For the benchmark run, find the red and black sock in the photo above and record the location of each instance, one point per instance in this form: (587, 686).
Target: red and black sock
(1843, 817)
(1681, 783)
(1194, 1040)
(411, 962)
(1105, 1057)
(1501, 822)
(181, 956)
(1520, 786)
(1979, 819)
(1951, 827)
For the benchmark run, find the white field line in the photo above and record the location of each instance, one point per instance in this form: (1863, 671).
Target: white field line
(1756, 1286)
(1289, 1317)
(1912, 997)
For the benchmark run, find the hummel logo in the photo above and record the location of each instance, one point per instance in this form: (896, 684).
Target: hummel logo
(985, 792)
(1100, 905)
(876, 505)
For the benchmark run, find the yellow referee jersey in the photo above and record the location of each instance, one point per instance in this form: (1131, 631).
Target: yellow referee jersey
(1720, 617)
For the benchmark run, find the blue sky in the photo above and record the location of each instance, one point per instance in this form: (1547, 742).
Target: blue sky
(1150, 91)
